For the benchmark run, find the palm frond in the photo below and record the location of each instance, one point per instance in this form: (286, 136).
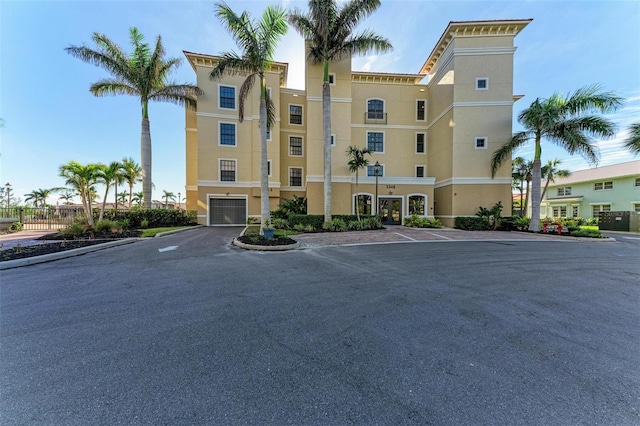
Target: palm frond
(271, 28)
(591, 98)
(179, 94)
(632, 143)
(503, 153)
(116, 65)
(240, 27)
(355, 11)
(365, 42)
(271, 110)
(244, 92)
(232, 64)
(109, 86)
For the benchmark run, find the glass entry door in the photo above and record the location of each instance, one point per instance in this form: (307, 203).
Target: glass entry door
(390, 211)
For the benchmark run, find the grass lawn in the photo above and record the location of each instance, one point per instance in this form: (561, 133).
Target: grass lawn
(151, 232)
(590, 228)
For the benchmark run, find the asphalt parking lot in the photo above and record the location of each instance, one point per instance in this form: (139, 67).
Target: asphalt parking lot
(188, 329)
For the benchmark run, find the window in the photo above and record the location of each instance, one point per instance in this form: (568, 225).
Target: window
(421, 112)
(375, 109)
(481, 142)
(482, 83)
(598, 208)
(599, 186)
(637, 182)
(295, 114)
(419, 171)
(332, 79)
(268, 134)
(269, 168)
(295, 146)
(375, 141)
(560, 211)
(564, 190)
(574, 211)
(228, 134)
(416, 204)
(295, 176)
(363, 203)
(371, 170)
(333, 140)
(420, 143)
(636, 207)
(228, 170)
(227, 97)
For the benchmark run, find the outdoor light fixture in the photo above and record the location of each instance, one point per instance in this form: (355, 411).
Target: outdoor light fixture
(8, 192)
(376, 171)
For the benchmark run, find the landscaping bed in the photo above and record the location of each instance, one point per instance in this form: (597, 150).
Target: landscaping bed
(46, 248)
(259, 240)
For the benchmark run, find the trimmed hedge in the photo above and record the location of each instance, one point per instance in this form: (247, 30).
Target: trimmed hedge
(317, 220)
(471, 223)
(155, 218)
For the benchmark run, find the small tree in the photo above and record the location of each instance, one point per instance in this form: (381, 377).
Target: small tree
(168, 196)
(357, 160)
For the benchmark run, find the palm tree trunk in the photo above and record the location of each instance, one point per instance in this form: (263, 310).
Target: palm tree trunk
(326, 130)
(104, 203)
(130, 194)
(145, 156)
(264, 175)
(544, 191)
(534, 225)
(357, 198)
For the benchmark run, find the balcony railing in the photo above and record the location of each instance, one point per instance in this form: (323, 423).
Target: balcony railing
(375, 118)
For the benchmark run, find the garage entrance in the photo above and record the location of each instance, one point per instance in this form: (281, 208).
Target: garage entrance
(227, 211)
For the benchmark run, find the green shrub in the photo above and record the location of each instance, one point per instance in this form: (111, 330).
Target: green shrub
(522, 223)
(280, 223)
(314, 220)
(144, 223)
(74, 229)
(335, 225)
(16, 226)
(373, 222)
(491, 216)
(415, 221)
(471, 223)
(592, 221)
(156, 218)
(105, 226)
(303, 228)
(298, 205)
(591, 233)
(507, 223)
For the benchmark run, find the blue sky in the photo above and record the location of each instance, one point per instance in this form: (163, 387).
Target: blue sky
(51, 118)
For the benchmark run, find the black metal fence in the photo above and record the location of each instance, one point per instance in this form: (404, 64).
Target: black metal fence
(52, 217)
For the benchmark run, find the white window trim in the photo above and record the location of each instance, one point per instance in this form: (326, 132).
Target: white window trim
(578, 212)
(636, 183)
(302, 115)
(415, 143)
(384, 140)
(235, 96)
(289, 146)
(332, 74)
(355, 197)
(603, 188)
(425, 110)
(486, 142)
(235, 161)
(301, 176)
(384, 106)
(424, 166)
(235, 140)
(269, 168)
(482, 78)
(426, 199)
(373, 164)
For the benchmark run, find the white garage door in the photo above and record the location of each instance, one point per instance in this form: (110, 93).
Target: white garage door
(225, 211)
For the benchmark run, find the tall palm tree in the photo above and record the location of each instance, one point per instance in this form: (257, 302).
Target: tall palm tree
(550, 172)
(632, 143)
(138, 197)
(107, 175)
(82, 179)
(328, 30)
(38, 196)
(167, 195)
(357, 161)
(142, 73)
(132, 173)
(521, 173)
(565, 121)
(122, 197)
(258, 42)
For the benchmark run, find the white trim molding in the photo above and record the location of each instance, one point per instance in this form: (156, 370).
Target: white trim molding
(473, 181)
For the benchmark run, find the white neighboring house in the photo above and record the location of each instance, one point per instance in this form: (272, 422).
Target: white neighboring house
(586, 193)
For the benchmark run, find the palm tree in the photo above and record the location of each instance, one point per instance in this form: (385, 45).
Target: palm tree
(108, 174)
(142, 73)
(67, 195)
(521, 173)
(138, 198)
(550, 172)
(258, 41)
(132, 173)
(82, 179)
(565, 121)
(357, 161)
(38, 196)
(328, 30)
(632, 143)
(122, 197)
(168, 196)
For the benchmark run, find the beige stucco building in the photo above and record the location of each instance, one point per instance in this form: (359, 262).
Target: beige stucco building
(432, 132)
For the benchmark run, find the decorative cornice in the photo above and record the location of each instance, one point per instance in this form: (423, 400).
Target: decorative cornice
(473, 181)
(471, 29)
(336, 100)
(385, 78)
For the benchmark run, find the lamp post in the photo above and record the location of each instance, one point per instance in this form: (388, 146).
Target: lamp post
(376, 170)
(7, 191)
(179, 200)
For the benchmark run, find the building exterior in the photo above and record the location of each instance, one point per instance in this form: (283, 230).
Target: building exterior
(433, 140)
(586, 193)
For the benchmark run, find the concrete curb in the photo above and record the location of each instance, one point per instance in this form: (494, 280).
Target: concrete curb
(175, 231)
(18, 263)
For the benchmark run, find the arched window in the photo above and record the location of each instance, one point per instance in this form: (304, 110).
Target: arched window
(375, 109)
(417, 204)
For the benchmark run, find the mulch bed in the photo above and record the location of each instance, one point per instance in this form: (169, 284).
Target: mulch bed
(61, 242)
(259, 240)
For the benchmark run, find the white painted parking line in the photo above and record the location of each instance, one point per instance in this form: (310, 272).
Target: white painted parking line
(167, 249)
(631, 238)
(404, 236)
(438, 235)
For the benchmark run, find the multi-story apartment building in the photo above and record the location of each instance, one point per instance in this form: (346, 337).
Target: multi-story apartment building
(432, 134)
(587, 193)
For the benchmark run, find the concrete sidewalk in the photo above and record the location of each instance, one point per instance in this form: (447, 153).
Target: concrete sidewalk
(24, 238)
